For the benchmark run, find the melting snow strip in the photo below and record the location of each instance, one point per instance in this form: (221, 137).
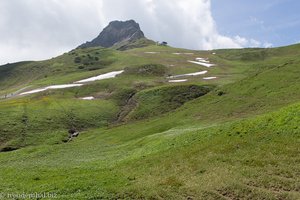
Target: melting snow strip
(87, 98)
(101, 77)
(77, 83)
(209, 78)
(51, 87)
(63, 86)
(34, 91)
(183, 53)
(152, 52)
(201, 63)
(190, 74)
(177, 81)
(202, 60)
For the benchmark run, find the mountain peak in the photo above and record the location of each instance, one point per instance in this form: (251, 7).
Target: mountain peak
(117, 32)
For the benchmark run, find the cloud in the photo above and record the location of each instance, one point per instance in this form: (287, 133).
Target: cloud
(187, 23)
(39, 29)
(267, 45)
(246, 42)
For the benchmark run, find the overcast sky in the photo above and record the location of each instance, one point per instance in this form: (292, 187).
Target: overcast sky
(40, 29)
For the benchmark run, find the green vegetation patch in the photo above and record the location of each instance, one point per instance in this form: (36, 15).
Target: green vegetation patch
(147, 70)
(247, 54)
(43, 120)
(160, 100)
(93, 60)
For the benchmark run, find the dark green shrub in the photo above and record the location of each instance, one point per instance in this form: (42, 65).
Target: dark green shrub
(77, 59)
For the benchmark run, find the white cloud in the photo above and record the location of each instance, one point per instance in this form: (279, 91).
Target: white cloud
(267, 45)
(243, 42)
(39, 29)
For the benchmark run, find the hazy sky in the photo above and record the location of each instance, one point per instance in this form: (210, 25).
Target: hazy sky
(40, 29)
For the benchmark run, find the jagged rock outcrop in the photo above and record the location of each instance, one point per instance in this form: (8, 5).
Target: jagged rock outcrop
(117, 33)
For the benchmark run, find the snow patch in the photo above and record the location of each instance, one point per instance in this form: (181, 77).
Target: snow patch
(202, 60)
(209, 78)
(51, 87)
(76, 84)
(201, 63)
(87, 98)
(151, 52)
(34, 91)
(183, 53)
(190, 74)
(63, 86)
(177, 81)
(101, 77)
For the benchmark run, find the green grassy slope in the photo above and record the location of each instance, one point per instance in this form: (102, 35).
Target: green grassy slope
(47, 120)
(154, 102)
(55, 70)
(235, 137)
(249, 159)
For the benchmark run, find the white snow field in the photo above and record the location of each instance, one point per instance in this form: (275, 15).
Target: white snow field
(177, 81)
(202, 60)
(183, 53)
(101, 77)
(87, 98)
(190, 74)
(51, 88)
(77, 83)
(209, 78)
(151, 52)
(202, 63)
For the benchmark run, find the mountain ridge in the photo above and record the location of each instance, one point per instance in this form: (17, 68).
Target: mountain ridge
(115, 33)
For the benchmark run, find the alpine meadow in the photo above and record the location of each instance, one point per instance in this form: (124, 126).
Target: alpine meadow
(125, 117)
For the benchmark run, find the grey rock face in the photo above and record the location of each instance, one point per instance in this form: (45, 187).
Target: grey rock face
(116, 32)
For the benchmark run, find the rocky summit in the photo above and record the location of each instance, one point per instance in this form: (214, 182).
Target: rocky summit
(117, 32)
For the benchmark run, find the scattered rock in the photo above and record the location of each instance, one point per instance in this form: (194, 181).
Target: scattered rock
(221, 93)
(73, 133)
(76, 134)
(8, 148)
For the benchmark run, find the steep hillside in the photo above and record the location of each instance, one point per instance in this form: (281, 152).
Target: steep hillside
(168, 124)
